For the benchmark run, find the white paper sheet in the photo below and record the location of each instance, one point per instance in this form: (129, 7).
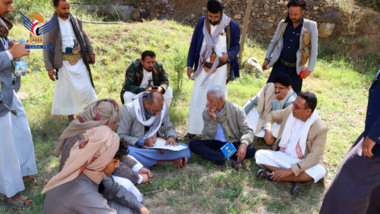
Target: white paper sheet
(160, 144)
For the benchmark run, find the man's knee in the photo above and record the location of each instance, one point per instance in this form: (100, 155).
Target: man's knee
(194, 145)
(128, 96)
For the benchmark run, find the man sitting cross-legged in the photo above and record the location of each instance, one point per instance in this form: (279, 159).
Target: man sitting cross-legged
(223, 122)
(142, 120)
(298, 151)
(273, 96)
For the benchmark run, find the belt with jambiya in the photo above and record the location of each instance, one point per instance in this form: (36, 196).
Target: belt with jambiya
(72, 58)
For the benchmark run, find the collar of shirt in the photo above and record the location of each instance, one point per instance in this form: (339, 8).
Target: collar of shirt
(147, 115)
(219, 112)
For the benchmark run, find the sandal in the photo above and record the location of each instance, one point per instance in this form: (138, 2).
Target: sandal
(189, 136)
(17, 200)
(264, 174)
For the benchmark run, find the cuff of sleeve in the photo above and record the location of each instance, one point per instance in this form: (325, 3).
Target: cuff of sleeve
(297, 169)
(140, 179)
(9, 55)
(136, 168)
(245, 142)
(373, 135)
(140, 142)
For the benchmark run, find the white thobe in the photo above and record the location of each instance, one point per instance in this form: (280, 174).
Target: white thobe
(73, 90)
(17, 157)
(284, 160)
(199, 96)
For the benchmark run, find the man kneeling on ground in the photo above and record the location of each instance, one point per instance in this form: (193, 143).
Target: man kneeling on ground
(298, 151)
(223, 122)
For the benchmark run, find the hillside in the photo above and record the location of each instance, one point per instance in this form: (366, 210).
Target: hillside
(341, 86)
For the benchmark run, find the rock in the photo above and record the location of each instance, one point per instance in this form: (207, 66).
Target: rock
(332, 16)
(267, 25)
(325, 29)
(252, 66)
(237, 16)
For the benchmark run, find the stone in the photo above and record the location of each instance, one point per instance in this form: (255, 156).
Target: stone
(329, 16)
(237, 16)
(252, 66)
(267, 25)
(325, 29)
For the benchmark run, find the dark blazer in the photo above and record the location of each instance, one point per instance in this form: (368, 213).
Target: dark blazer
(196, 45)
(372, 122)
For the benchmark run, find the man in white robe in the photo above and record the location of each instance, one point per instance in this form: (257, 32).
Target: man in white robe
(213, 54)
(74, 87)
(297, 154)
(17, 159)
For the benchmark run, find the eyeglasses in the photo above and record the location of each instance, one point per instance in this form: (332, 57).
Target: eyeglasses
(297, 107)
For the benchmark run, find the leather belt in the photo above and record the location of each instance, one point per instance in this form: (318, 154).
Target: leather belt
(288, 64)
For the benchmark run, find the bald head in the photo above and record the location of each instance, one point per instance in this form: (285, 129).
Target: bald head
(153, 103)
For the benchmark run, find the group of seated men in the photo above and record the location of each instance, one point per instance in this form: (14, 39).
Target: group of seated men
(288, 122)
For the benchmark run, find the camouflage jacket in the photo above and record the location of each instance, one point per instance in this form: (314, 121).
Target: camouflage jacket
(134, 77)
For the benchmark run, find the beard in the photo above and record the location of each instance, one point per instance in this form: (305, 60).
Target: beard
(215, 22)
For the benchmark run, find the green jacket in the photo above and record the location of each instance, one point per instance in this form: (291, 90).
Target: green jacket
(134, 77)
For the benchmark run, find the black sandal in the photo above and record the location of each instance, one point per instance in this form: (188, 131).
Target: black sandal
(189, 136)
(264, 174)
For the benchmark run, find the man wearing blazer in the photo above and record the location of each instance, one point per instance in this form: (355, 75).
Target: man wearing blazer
(293, 45)
(70, 57)
(18, 162)
(356, 186)
(297, 154)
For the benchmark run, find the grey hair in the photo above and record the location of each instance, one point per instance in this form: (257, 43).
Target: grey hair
(218, 91)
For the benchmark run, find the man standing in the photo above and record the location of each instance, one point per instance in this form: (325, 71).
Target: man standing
(297, 154)
(17, 160)
(213, 54)
(142, 120)
(273, 96)
(223, 122)
(356, 186)
(71, 54)
(146, 74)
(293, 45)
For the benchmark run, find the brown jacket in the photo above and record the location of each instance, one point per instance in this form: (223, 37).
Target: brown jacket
(53, 57)
(315, 143)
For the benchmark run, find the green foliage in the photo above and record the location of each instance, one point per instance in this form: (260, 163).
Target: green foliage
(374, 4)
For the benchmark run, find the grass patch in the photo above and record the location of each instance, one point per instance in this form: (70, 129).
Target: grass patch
(341, 85)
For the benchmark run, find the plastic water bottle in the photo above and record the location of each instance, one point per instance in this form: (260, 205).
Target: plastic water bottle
(20, 64)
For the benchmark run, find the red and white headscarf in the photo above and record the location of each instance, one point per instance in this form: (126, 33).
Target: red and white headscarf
(100, 112)
(89, 156)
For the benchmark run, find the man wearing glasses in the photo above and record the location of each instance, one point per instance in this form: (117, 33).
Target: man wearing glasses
(297, 154)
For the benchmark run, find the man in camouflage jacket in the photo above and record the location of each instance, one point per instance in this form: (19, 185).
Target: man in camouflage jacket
(146, 74)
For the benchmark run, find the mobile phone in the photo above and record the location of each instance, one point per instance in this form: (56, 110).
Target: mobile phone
(154, 87)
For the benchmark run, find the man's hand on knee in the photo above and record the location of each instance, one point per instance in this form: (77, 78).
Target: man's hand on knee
(242, 151)
(280, 174)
